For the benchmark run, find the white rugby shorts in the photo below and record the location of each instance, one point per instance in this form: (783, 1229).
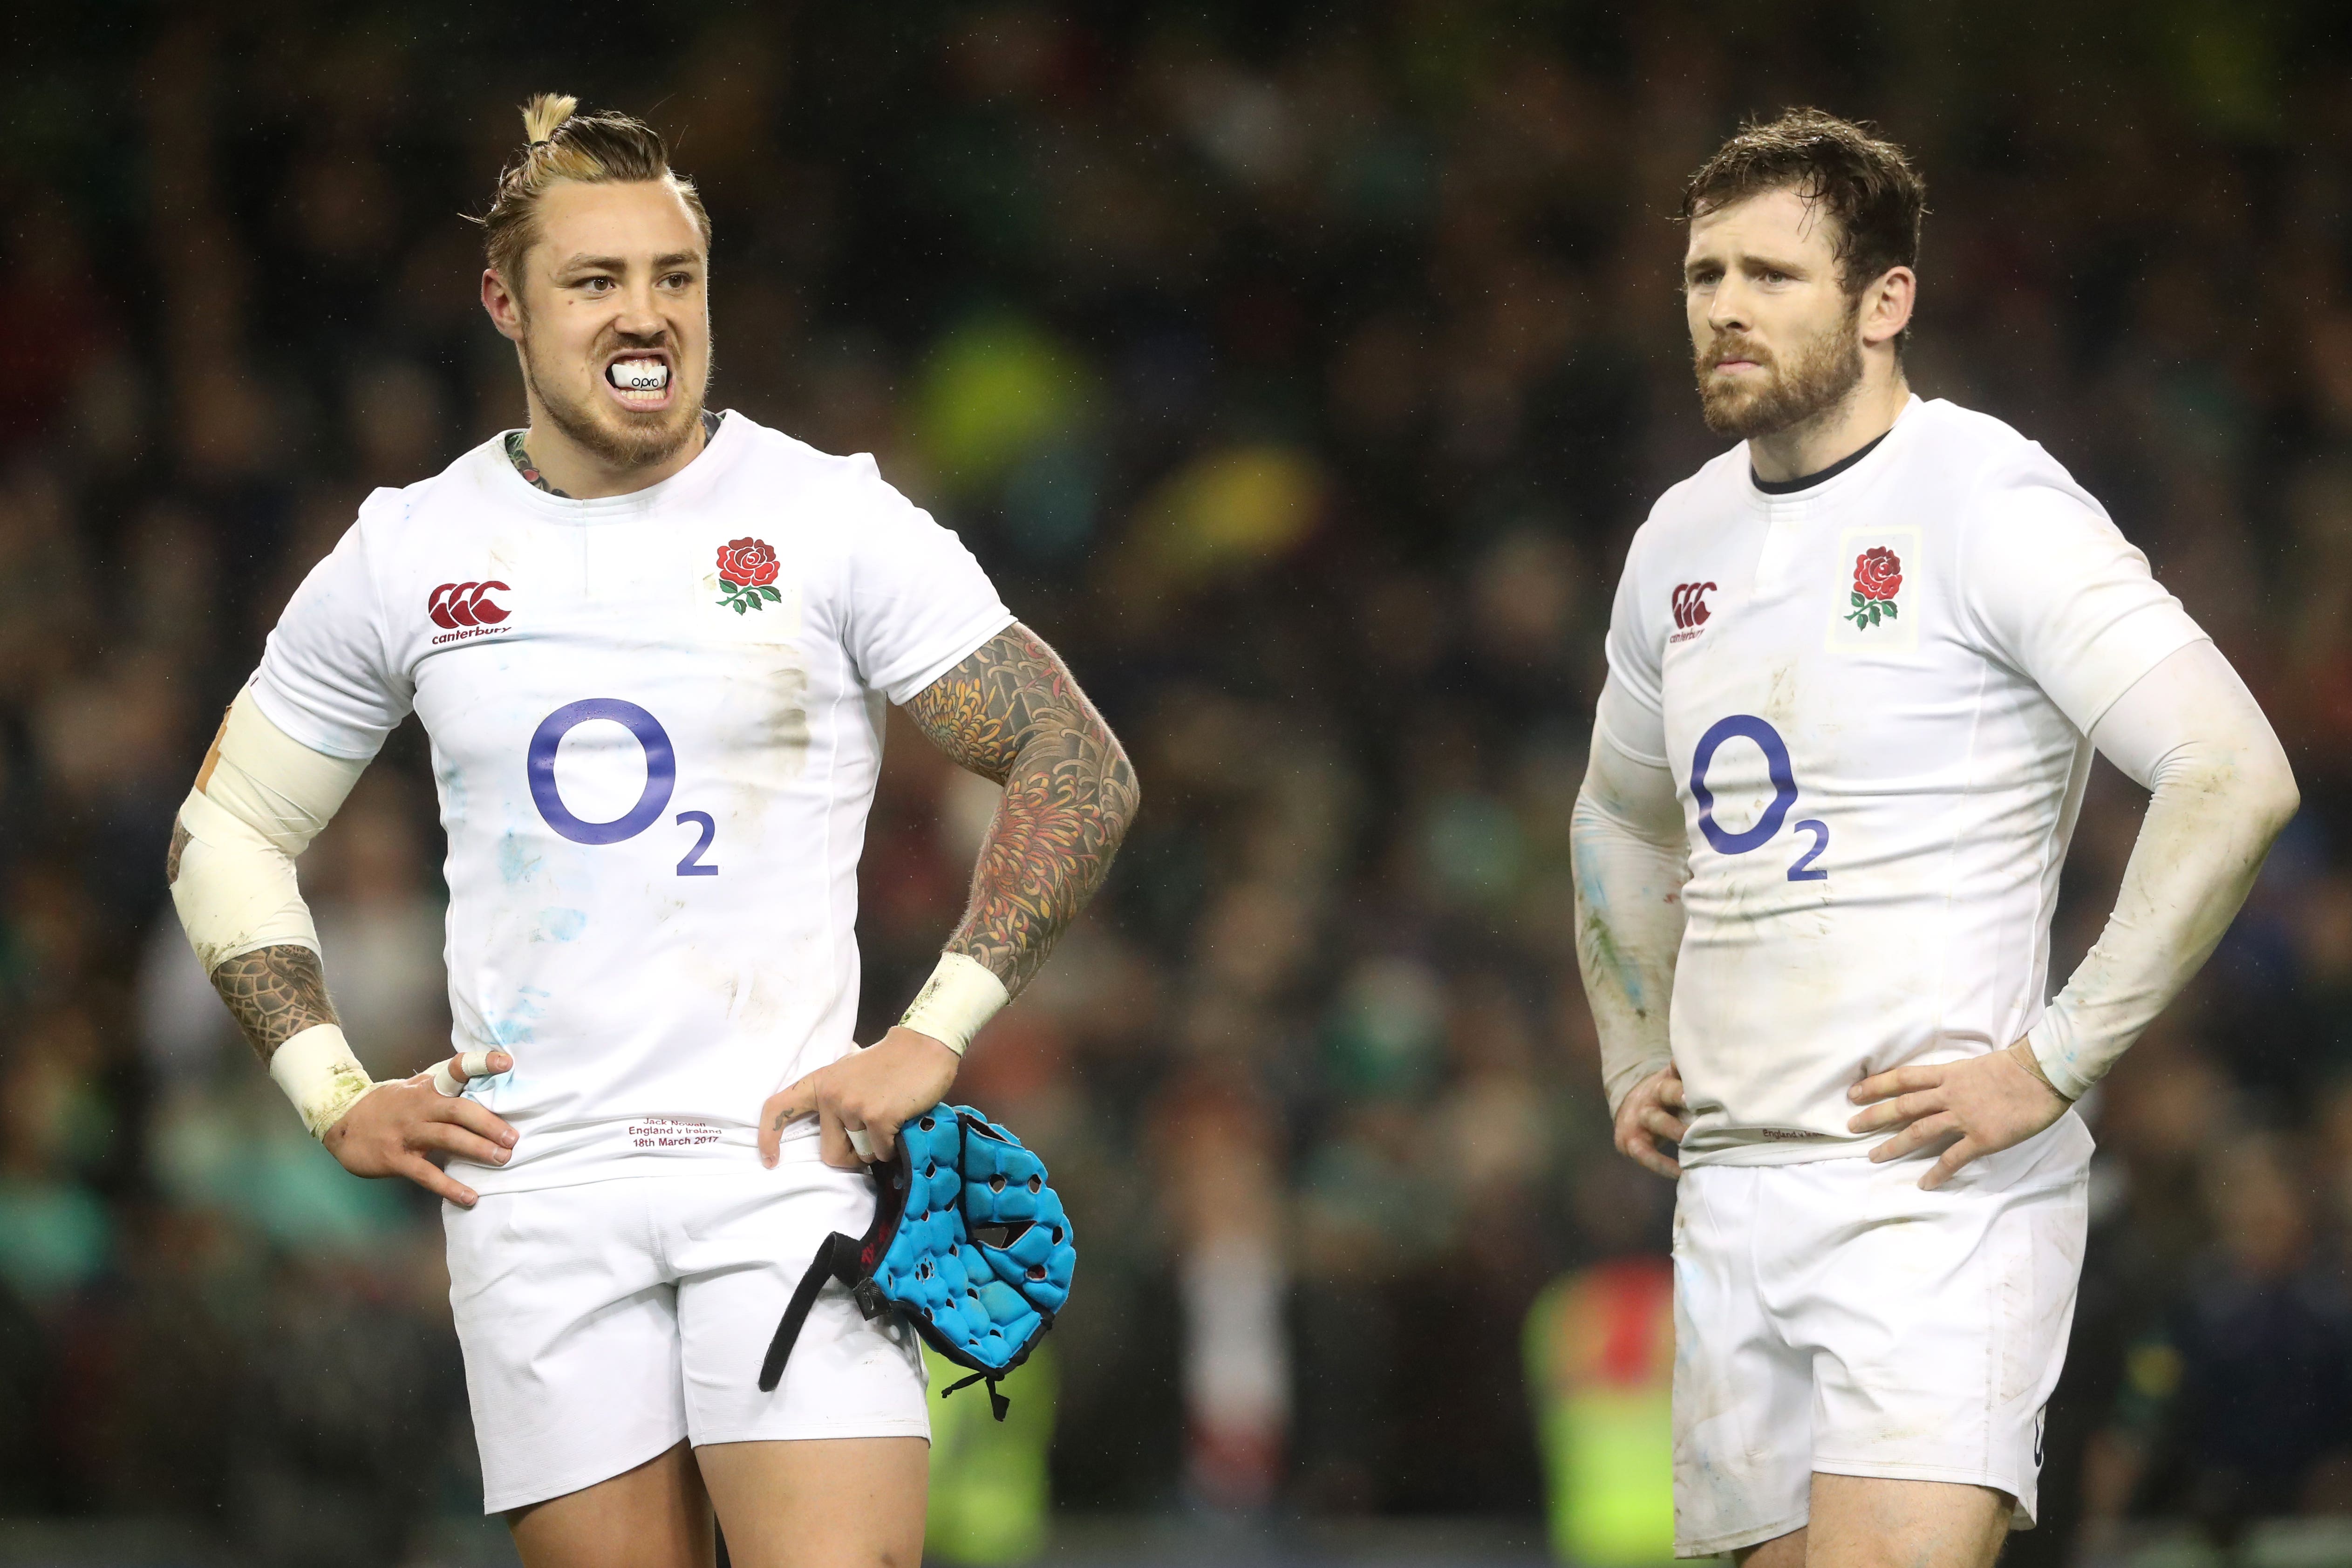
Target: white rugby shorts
(1830, 1316)
(604, 1321)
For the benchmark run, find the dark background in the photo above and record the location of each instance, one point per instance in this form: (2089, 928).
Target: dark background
(1301, 372)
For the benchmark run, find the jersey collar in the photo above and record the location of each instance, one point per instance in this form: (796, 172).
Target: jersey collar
(718, 453)
(1804, 488)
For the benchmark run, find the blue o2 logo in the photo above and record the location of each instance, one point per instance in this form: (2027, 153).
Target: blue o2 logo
(661, 780)
(1784, 784)
(1747, 727)
(661, 770)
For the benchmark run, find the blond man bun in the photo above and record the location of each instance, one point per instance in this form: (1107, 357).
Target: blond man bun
(564, 144)
(544, 112)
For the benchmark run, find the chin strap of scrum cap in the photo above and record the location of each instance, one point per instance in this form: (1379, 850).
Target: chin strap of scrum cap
(847, 1258)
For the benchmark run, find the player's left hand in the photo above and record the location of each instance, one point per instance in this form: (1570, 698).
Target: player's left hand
(1984, 1104)
(870, 1092)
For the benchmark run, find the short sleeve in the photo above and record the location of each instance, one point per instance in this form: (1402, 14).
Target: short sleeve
(919, 603)
(1633, 703)
(2062, 596)
(325, 676)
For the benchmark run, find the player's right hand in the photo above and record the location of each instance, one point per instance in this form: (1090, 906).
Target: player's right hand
(1653, 1110)
(395, 1129)
(861, 1100)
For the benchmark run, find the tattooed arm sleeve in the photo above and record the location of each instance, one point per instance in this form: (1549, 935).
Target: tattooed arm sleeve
(275, 994)
(1013, 713)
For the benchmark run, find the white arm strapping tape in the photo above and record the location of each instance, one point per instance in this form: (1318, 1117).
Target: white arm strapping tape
(2190, 731)
(1632, 857)
(318, 1072)
(261, 799)
(961, 997)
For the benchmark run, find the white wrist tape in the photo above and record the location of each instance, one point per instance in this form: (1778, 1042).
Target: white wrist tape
(958, 1000)
(318, 1072)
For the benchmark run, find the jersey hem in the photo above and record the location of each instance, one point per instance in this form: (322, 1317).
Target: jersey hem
(1954, 1475)
(570, 1170)
(1784, 1151)
(344, 745)
(901, 692)
(580, 1478)
(817, 1431)
(1608, 734)
(1732, 1541)
(2183, 633)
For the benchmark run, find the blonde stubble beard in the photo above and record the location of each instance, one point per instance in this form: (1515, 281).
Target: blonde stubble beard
(630, 447)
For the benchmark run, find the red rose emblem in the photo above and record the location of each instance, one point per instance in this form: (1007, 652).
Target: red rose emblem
(1878, 578)
(750, 564)
(1877, 574)
(746, 567)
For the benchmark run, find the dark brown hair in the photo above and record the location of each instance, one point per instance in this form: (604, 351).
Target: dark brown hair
(594, 149)
(1866, 183)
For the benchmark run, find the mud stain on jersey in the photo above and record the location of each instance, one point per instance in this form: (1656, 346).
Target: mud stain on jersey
(1781, 697)
(788, 725)
(764, 1001)
(768, 721)
(1603, 956)
(721, 982)
(769, 742)
(451, 781)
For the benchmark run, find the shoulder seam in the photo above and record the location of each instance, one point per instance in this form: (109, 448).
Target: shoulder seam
(375, 583)
(1964, 591)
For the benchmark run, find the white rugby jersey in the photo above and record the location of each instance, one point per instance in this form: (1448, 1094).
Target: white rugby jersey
(1873, 694)
(655, 723)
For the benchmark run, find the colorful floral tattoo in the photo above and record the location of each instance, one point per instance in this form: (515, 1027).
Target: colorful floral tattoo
(1013, 713)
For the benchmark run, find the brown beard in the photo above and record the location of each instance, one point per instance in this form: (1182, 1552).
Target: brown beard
(634, 445)
(1820, 375)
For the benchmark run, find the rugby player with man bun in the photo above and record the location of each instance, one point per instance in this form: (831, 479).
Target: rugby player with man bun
(1857, 669)
(653, 646)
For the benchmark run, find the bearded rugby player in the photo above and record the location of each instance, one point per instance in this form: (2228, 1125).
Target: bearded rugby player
(1857, 668)
(653, 646)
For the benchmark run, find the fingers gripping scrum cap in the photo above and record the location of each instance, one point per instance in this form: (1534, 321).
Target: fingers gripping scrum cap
(968, 1244)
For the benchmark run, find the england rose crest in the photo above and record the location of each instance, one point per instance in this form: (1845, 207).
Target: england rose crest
(1878, 578)
(746, 567)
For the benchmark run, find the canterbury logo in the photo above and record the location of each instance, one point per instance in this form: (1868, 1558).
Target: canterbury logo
(1690, 603)
(454, 605)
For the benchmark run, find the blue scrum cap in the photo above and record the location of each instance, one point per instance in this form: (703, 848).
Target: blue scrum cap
(969, 1245)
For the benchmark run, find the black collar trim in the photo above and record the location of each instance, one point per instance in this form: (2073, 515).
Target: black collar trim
(1807, 481)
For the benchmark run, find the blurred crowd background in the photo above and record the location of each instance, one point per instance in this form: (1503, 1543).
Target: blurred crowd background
(1301, 372)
